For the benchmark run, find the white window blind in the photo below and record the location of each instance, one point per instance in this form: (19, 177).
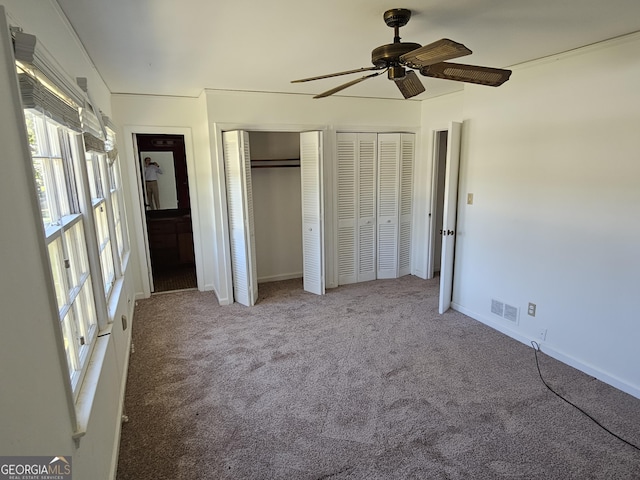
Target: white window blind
(38, 97)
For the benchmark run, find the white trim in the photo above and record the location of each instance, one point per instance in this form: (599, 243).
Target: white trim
(551, 351)
(115, 452)
(277, 278)
(224, 250)
(84, 403)
(582, 50)
(135, 192)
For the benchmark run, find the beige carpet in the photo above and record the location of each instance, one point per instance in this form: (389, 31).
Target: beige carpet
(366, 382)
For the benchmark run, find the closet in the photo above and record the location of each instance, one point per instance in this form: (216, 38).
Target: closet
(277, 204)
(241, 212)
(374, 205)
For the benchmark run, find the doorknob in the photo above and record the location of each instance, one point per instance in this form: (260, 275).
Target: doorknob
(450, 232)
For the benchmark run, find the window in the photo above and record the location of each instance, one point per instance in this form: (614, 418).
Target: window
(105, 184)
(54, 151)
(116, 194)
(96, 173)
(77, 177)
(117, 207)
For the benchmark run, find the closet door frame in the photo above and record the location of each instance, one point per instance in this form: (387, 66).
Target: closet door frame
(396, 228)
(356, 206)
(221, 279)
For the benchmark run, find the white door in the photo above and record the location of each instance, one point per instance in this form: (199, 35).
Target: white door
(366, 210)
(347, 145)
(237, 163)
(388, 200)
(143, 198)
(311, 156)
(407, 154)
(356, 207)
(449, 215)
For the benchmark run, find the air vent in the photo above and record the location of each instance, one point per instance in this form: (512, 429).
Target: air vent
(511, 313)
(504, 310)
(497, 307)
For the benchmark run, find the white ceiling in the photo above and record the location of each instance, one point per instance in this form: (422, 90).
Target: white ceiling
(169, 47)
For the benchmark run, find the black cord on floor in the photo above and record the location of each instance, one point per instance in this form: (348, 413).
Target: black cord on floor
(536, 349)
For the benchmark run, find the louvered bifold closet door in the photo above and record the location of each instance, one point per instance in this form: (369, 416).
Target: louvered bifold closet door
(240, 212)
(366, 209)
(356, 207)
(388, 200)
(311, 154)
(407, 154)
(346, 144)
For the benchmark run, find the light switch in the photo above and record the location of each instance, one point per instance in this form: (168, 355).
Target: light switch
(469, 198)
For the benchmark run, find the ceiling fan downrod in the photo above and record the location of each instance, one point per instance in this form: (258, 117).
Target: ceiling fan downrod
(387, 56)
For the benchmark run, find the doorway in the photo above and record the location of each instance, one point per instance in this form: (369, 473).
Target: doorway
(168, 219)
(439, 175)
(237, 159)
(444, 201)
(277, 204)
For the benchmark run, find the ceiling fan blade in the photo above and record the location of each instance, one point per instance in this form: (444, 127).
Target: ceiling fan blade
(346, 85)
(435, 52)
(493, 77)
(410, 85)
(329, 75)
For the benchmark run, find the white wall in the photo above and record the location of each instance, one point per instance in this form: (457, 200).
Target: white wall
(277, 206)
(552, 158)
(149, 114)
(38, 415)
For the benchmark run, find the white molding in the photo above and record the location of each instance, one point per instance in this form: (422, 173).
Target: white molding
(224, 250)
(277, 278)
(135, 192)
(548, 349)
(604, 44)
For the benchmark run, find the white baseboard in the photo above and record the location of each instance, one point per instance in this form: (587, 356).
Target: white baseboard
(121, 410)
(553, 352)
(277, 278)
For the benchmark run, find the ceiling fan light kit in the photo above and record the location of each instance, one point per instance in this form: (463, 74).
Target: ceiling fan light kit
(429, 60)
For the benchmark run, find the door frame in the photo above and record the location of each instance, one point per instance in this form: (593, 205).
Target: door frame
(417, 240)
(225, 293)
(139, 220)
(435, 192)
(450, 215)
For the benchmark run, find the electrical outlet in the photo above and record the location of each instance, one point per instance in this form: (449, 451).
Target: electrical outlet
(542, 334)
(532, 309)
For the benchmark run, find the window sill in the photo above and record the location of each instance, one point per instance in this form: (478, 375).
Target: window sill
(86, 397)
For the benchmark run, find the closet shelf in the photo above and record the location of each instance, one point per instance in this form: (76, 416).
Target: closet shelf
(284, 162)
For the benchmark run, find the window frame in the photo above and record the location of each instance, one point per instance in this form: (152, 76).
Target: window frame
(78, 311)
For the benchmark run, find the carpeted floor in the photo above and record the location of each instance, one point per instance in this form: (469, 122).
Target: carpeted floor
(366, 382)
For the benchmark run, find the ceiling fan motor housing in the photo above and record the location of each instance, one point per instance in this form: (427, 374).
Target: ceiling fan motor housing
(389, 55)
(397, 17)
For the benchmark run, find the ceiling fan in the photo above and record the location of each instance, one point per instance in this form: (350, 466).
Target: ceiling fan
(430, 60)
